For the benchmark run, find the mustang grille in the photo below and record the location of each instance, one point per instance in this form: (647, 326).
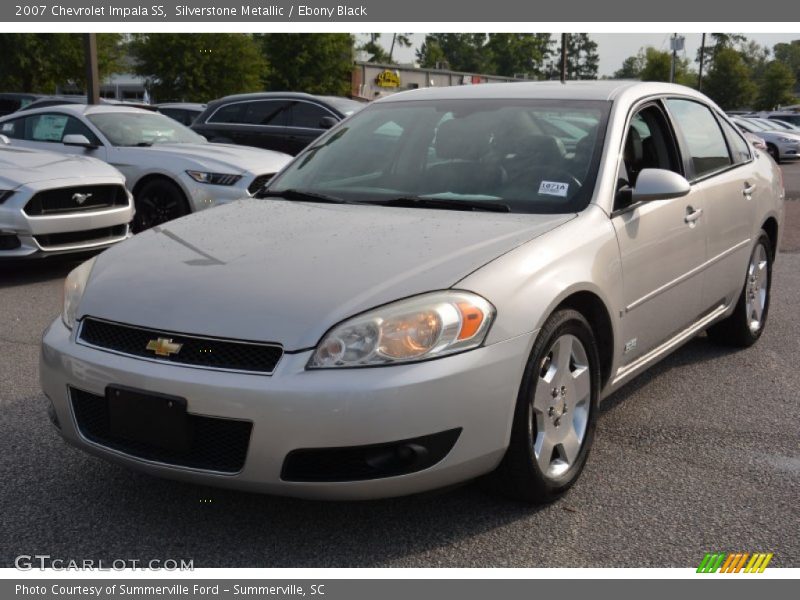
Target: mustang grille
(76, 199)
(216, 444)
(89, 236)
(195, 351)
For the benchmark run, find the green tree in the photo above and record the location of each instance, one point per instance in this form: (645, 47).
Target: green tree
(462, 51)
(632, 67)
(197, 67)
(317, 63)
(582, 57)
(729, 81)
(720, 41)
(776, 86)
(373, 47)
(516, 53)
(41, 62)
(657, 65)
(789, 54)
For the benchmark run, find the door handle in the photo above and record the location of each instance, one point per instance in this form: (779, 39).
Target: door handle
(692, 214)
(748, 189)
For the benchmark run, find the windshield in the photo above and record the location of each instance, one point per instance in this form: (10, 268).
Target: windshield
(142, 129)
(532, 156)
(344, 105)
(750, 126)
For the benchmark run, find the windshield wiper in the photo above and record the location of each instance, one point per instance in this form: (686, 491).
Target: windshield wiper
(303, 196)
(445, 204)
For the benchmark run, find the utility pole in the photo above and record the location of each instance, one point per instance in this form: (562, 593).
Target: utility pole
(676, 43)
(702, 59)
(564, 57)
(92, 76)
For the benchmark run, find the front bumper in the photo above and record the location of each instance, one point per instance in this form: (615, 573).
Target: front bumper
(293, 409)
(31, 235)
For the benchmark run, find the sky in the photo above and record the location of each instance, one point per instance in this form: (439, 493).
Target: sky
(613, 48)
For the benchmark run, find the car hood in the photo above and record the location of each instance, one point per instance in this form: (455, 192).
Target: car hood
(273, 270)
(216, 158)
(19, 166)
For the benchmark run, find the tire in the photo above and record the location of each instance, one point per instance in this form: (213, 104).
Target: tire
(743, 328)
(773, 152)
(564, 354)
(158, 201)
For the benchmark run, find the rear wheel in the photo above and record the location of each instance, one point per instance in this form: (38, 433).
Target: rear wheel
(158, 201)
(556, 411)
(746, 324)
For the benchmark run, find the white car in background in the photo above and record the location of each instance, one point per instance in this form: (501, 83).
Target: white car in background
(55, 204)
(171, 170)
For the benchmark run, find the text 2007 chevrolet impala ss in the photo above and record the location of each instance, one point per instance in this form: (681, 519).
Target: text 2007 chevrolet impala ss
(443, 286)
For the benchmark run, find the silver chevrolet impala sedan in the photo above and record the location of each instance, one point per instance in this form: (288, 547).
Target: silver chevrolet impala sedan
(444, 286)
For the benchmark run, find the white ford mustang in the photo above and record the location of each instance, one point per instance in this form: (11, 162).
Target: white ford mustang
(171, 170)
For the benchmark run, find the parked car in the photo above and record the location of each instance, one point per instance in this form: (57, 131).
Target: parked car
(286, 122)
(12, 101)
(171, 170)
(435, 291)
(789, 117)
(183, 112)
(781, 145)
(54, 204)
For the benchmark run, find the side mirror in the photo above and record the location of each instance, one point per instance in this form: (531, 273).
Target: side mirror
(78, 139)
(4, 140)
(327, 122)
(659, 184)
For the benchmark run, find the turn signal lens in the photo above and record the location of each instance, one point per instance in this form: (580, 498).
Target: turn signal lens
(419, 328)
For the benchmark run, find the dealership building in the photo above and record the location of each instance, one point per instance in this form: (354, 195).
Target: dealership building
(374, 80)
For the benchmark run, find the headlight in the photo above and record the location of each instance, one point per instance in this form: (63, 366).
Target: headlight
(5, 194)
(214, 178)
(787, 140)
(423, 327)
(73, 291)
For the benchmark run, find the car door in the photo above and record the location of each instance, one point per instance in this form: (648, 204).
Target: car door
(662, 243)
(265, 124)
(305, 124)
(724, 173)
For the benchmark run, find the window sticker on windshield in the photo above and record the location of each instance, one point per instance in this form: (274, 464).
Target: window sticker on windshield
(554, 188)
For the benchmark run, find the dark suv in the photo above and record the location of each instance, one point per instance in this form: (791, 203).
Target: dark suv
(282, 121)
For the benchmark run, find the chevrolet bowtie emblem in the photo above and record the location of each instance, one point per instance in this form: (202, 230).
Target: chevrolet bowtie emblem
(164, 347)
(81, 198)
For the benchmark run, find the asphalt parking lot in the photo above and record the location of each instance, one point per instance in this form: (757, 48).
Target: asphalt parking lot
(701, 453)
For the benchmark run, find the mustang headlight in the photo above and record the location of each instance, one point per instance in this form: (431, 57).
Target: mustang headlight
(787, 139)
(73, 291)
(419, 328)
(214, 178)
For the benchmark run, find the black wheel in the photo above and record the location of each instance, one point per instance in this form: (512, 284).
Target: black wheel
(157, 202)
(746, 324)
(773, 152)
(556, 412)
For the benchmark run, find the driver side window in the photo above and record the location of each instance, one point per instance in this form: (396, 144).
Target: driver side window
(649, 144)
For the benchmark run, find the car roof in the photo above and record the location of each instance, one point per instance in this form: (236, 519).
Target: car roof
(267, 96)
(90, 109)
(571, 90)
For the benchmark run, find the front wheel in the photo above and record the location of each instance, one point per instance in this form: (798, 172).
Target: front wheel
(746, 324)
(556, 412)
(157, 202)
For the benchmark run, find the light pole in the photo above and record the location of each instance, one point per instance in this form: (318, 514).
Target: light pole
(92, 77)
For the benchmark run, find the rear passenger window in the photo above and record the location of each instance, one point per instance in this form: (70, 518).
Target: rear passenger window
(706, 144)
(740, 149)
